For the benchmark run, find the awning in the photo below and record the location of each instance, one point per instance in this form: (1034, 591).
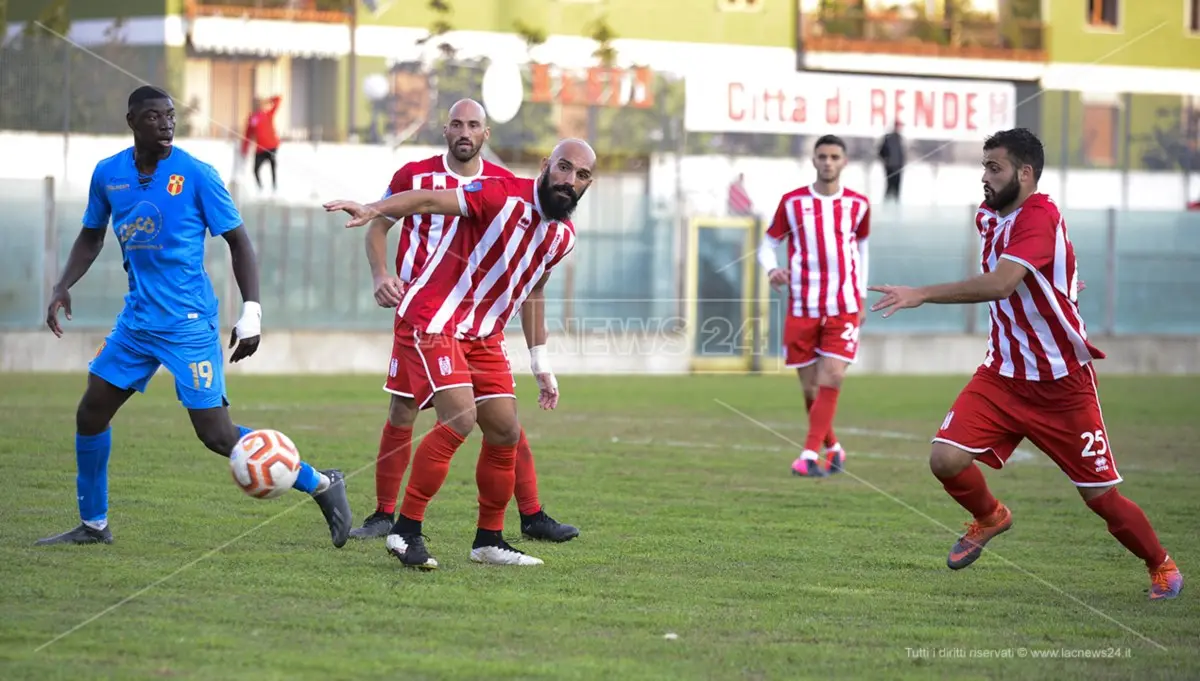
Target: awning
(226, 35)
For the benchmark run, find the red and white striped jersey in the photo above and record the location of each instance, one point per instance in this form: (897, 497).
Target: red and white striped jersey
(486, 264)
(1037, 333)
(419, 234)
(824, 235)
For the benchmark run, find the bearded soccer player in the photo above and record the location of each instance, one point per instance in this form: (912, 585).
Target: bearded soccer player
(163, 204)
(825, 226)
(486, 266)
(466, 131)
(1037, 380)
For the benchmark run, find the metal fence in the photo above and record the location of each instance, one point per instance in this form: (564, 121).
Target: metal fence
(1141, 269)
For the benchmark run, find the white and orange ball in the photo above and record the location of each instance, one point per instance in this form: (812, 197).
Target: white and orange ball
(265, 463)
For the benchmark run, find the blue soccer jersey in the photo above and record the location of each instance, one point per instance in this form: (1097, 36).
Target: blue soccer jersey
(162, 226)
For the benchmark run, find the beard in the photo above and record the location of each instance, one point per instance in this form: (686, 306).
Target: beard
(462, 154)
(1005, 196)
(556, 205)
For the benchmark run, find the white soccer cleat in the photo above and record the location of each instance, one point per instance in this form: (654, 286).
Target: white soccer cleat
(502, 555)
(411, 551)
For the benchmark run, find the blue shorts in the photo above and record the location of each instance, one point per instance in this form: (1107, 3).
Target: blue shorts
(129, 357)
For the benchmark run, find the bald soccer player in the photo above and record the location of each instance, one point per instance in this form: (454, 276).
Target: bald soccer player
(466, 131)
(511, 233)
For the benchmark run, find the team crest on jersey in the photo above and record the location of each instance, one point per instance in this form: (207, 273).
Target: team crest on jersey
(473, 186)
(175, 185)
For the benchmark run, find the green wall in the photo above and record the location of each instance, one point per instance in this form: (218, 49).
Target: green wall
(1153, 131)
(667, 20)
(24, 10)
(1152, 33)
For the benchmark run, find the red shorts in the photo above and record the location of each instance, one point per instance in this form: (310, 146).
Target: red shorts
(993, 414)
(397, 382)
(804, 338)
(436, 362)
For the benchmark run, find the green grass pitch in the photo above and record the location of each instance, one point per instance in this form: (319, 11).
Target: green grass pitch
(691, 525)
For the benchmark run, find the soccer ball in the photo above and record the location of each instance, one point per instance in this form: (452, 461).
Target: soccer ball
(264, 463)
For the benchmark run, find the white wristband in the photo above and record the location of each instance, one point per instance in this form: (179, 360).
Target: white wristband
(539, 360)
(251, 322)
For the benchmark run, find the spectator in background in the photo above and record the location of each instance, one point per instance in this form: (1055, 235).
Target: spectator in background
(891, 152)
(260, 129)
(739, 200)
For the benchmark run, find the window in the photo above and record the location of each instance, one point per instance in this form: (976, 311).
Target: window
(1100, 123)
(740, 5)
(1103, 13)
(1193, 17)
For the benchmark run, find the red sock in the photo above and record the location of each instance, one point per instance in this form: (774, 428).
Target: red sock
(1130, 526)
(431, 464)
(395, 449)
(527, 491)
(496, 477)
(970, 490)
(830, 439)
(820, 417)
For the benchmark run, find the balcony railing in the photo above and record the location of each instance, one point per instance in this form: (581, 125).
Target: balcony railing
(895, 32)
(324, 11)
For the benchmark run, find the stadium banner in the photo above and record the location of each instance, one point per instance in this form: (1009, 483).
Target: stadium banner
(851, 106)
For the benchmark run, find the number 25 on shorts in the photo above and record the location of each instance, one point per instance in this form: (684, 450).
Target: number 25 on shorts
(1094, 444)
(203, 370)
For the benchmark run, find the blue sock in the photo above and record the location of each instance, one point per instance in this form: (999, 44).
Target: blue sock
(91, 479)
(243, 431)
(308, 480)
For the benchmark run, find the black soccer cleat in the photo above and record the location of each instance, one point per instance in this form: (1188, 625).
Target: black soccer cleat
(835, 461)
(410, 549)
(80, 535)
(335, 505)
(378, 524)
(542, 527)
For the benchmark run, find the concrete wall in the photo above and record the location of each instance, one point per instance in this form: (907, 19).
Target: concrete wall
(368, 353)
(313, 173)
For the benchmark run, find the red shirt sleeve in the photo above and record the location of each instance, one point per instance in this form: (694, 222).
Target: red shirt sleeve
(1031, 239)
(564, 249)
(483, 199)
(864, 225)
(401, 182)
(780, 227)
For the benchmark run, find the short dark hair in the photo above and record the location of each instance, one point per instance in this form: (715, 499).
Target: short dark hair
(144, 94)
(830, 139)
(1023, 147)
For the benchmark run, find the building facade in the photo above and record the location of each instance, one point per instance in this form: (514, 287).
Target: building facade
(1107, 83)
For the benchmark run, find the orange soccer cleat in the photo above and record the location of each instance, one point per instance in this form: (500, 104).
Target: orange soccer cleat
(969, 546)
(1166, 581)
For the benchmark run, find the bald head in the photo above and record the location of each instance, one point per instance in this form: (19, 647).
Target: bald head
(577, 151)
(467, 109)
(466, 130)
